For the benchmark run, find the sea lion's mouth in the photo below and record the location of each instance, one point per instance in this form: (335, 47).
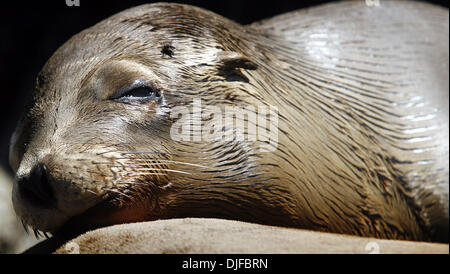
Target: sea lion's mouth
(105, 213)
(95, 217)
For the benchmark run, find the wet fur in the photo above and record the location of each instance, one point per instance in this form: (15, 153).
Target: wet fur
(344, 163)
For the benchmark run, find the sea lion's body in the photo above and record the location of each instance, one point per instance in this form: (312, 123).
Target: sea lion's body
(362, 98)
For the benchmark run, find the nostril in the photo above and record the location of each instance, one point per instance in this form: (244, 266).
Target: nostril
(35, 187)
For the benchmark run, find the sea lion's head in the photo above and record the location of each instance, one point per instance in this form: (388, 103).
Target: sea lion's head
(94, 146)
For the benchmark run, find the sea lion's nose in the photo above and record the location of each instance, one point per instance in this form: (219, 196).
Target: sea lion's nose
(35, 187)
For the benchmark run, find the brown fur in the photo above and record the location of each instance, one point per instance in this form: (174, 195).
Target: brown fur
(356, 153)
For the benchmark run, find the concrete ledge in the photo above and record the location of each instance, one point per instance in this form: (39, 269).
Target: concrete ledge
(192, 235)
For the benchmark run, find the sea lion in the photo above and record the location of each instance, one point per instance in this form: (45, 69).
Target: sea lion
(362, 124)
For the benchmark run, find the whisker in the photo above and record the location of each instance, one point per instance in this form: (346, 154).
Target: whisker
(145, 152)
(122, 180)
(37, 233)
(148, 173)
(105, 152)
(168, 170)
(25, 226)
(137, 168)
(141, 173)
(88, 190)
(118, 192)
(159, 161)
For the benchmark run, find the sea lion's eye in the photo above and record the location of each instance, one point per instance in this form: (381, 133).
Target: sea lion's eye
(137, 92)
(140, 92)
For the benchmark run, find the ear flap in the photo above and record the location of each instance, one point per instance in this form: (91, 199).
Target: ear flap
(230, 60)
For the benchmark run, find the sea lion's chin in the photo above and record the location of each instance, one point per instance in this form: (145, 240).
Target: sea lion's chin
(38, 219)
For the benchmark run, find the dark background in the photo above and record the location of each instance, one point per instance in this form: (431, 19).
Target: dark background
(32, 30)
